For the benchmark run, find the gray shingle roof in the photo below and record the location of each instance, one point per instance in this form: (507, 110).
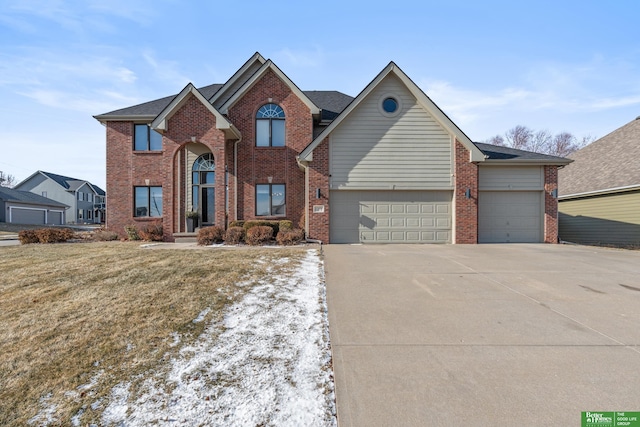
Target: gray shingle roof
(71, 183)
(496, 152)
(613, 161)
(330, 101)
(11, 195)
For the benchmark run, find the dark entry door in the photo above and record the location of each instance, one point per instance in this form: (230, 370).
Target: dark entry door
(208, 205)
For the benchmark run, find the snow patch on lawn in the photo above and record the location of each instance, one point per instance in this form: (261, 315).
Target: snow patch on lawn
(46, 415)
(270, 365)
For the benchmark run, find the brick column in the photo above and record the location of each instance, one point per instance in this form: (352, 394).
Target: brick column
(466, 209)
(318, 171)
(550, 204)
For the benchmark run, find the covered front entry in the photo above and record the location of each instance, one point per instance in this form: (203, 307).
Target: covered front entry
(203, 182)
(390, 216)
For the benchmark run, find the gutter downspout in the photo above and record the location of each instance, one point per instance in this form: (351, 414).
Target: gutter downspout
(235, 178)
(305, 168)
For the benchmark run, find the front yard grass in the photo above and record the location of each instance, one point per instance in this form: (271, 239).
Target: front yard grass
(103, 313)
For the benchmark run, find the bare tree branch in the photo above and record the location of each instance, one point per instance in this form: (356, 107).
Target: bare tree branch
(542, 141)
(7, 180)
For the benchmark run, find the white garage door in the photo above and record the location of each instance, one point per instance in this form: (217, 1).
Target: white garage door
(510, 217)
(390, 216)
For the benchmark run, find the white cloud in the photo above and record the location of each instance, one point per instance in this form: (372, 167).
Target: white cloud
(165, 71)
(301, 58)
(566, 95)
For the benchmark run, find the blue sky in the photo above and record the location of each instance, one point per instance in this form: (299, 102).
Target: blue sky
(556, 65)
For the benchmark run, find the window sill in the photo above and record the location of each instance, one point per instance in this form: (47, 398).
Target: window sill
(147, 152)
(146, 218)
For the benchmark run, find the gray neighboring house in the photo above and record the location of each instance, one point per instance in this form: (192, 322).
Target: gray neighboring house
(85, 201)
(24, 207)
(599, 199)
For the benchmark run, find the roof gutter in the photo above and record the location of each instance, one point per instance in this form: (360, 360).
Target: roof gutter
(124, 118)
(527, 162)
(600, 192)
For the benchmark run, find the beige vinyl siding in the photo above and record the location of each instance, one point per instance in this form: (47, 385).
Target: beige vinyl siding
(372, 151)
(510, 178)
(606, 219)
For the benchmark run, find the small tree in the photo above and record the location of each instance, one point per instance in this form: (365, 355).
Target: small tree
(7, 180)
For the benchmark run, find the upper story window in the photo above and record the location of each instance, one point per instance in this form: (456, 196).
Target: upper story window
(270, 126)
(146, 139)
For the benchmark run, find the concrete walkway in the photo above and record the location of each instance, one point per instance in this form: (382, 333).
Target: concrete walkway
(482, 335)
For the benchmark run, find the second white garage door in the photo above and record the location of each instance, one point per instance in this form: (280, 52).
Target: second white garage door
(390, 216)
(510, 217)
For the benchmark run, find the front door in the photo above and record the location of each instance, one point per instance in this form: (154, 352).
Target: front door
(203, 182)
(207, 206)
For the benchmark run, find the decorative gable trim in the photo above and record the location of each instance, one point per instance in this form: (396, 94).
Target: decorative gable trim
(269, 65)
(425, 102)
(161, 122)
(256, 58)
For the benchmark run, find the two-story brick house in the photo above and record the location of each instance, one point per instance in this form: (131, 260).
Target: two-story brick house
(386, 166)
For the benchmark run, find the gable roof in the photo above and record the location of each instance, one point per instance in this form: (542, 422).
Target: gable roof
(160, 123)
(148, 111)
(66, 182)
(422, 99)
(503, 155)
(269, 65)
(610, 163)
(27, 197)
(238, 78)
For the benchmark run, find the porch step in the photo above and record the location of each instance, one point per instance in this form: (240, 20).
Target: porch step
(185, 237)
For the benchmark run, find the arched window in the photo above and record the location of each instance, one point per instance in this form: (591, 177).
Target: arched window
(203, 180)
(270, 126)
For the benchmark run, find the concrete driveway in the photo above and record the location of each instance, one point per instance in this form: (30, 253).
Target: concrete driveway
(444, 335)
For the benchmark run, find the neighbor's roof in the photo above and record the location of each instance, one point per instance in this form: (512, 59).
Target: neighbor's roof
(500, 154)
(331, 103)
(611, 162)
(27, 197)
(67, 182)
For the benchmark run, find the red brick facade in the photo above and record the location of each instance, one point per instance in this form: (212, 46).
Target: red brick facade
(318, 172)
(256, 165)
(550, 204)
(465, 208)
(195, 123)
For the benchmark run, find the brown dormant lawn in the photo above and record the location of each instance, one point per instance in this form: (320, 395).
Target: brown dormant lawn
(105, 313)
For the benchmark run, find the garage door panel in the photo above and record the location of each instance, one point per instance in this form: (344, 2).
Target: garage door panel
(510, 217)
(390, 216)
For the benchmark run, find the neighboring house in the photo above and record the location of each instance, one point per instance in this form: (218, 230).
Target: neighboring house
(24, 207)
(386, 166)
(85, 201)
(600, 191)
